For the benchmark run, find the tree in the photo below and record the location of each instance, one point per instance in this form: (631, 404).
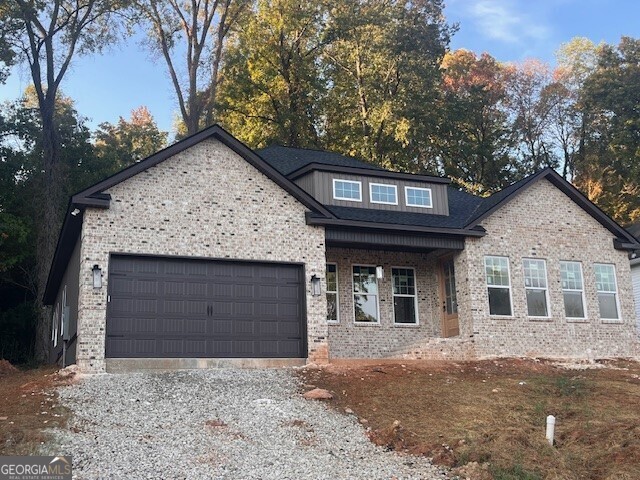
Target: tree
(383, 68)
(196, 30)
(474, 139)
(273, 82)
(8, 26)
(21, 179)
(47, 36)
(120, 145)
(576, 60)
(610, 168)
(530, 113)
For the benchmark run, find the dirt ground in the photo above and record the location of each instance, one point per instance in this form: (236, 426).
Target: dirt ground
(487, 419)
(28, 405)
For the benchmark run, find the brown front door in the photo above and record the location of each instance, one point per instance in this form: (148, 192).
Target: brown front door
(450, 327)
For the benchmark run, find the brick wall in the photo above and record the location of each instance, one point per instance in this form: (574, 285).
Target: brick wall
(543, 223)
(205, 202)
(350, 340)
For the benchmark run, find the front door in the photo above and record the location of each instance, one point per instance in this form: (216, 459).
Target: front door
(450, 327)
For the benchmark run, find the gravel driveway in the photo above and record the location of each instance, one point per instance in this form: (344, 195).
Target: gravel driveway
(223, 424)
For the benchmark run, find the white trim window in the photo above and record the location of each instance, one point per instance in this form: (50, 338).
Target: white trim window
(383, 193)
(573, 289)
(418, 197)
(607, 289)
(365, 294)
(498, 285)
(535, 285)
(349, 190)
(332, 293)
(405, 300)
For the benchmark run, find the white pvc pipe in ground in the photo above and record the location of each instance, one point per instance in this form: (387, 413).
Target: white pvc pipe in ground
(551, 425)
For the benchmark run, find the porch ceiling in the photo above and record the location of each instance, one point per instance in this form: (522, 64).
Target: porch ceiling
(347, 238)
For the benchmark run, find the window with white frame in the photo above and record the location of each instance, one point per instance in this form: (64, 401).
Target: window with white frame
(498, 285)
(381, 193)
(365, 294)
(347, 190)
(332, 292)
(572, 289)
(418, 197)
(535, 284)
(607, 289)
(404, 296)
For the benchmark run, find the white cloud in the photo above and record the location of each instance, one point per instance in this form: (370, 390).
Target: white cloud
(500, 20)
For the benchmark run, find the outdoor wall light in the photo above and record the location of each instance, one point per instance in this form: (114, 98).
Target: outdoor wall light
(97, 276)
(315, 285)
(379, 272)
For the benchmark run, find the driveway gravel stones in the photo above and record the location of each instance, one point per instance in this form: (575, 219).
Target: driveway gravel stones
(221, 424)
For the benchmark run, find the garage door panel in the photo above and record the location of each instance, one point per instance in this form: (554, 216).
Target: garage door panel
(222, 327)
(243, 327)
(243, 309)
(243, 291)
(167, 307)
(222, 309)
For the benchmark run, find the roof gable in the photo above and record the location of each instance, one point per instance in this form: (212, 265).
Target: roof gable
(624, 240)
(93, 196)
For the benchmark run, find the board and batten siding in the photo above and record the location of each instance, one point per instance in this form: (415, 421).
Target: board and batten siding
(635, 280)
(320, 185)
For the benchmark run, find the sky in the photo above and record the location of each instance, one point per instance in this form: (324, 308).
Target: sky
(108, 86)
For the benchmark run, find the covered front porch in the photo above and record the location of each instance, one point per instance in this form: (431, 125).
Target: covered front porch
(387, 294)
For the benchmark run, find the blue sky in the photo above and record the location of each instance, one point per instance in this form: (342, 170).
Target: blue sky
(110, 85)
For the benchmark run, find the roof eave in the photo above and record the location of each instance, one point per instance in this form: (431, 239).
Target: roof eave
(368, 172)
(337, 222)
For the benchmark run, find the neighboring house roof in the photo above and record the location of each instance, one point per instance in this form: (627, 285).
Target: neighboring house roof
(288, 159)
(634, 229)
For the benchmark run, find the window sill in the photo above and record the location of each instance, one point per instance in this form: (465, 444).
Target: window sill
(613, 321)
(540, 319)
(366, 324)
(406, 325)
(577, 320)
(502, 317)
(333, 322)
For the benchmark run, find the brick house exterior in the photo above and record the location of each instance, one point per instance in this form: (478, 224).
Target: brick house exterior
(209, 201)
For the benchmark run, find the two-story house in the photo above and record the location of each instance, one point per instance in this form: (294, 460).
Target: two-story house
(208, 253)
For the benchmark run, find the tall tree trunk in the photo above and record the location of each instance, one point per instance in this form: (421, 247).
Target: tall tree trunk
(50, 218)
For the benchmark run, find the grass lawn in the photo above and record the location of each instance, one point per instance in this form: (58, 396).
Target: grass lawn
(27, 407)
(488, 418)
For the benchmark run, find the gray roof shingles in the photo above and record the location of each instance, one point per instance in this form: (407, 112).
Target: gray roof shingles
(288, 159)
(464, 208)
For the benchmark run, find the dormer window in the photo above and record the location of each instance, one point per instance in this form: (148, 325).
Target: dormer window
(418, 197)
(347, 190)
(382, 193)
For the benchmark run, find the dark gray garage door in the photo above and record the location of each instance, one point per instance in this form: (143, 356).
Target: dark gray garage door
(166, 307)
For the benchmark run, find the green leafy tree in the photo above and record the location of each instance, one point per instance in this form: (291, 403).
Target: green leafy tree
(383, 69)
(609, 170)
(47, 36)
(273, 82)
(21, 182)
(474, 140)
